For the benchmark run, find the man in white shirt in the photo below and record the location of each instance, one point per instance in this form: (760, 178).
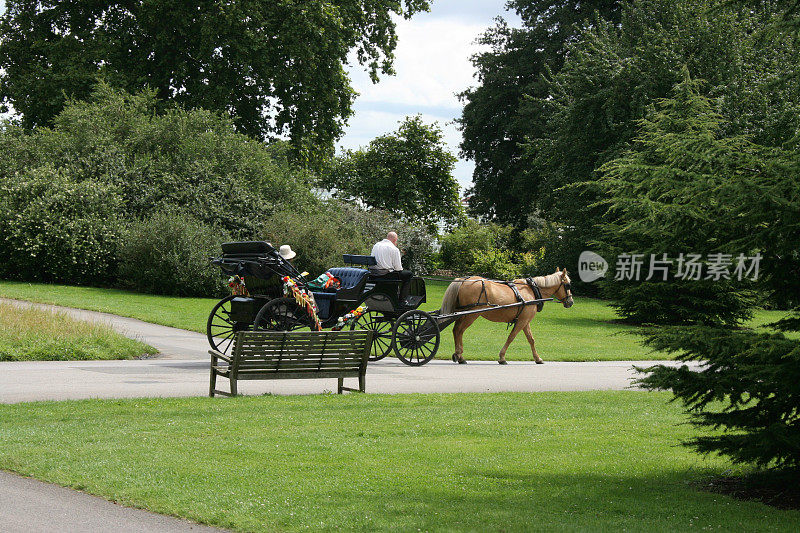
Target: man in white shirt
(389, 265)
(387, 255)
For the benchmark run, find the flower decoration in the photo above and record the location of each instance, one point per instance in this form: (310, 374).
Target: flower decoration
(238, 288)
(304, 299)
(349, 317)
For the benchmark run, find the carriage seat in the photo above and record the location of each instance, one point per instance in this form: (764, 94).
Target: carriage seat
(350, 277)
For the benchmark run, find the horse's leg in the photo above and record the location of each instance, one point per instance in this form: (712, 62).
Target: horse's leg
(511, 336)
(459, 327)
(529, 335)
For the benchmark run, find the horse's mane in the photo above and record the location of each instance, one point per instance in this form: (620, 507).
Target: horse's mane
(548, 281)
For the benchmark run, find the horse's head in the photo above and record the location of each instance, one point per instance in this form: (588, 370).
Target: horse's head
(564, 291)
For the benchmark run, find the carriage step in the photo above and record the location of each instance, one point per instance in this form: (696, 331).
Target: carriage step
(412, 301)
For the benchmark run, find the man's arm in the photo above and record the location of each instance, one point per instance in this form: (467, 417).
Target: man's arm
(397, 264)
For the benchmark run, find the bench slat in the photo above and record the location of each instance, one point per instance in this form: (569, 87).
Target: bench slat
(295, 355)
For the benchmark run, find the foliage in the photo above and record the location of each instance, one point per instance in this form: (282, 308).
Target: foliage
(489, 250)
(614, 74)
(322, 232)
(502, 111)
(28, 334)
(686, 186)
(275, 67)
(558, 100)
(168, 252)
(748, 386)
(672, 194)
(56, 229)
(409, 173)
(188, 159)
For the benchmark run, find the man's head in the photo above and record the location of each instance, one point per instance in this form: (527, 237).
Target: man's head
(392, 236)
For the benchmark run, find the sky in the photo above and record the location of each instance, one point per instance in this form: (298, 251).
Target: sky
(432, 65)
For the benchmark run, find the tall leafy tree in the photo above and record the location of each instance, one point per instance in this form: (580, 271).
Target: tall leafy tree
(409, 172)
(276, 66)
(687, 186)
(502, 111)
(613, 74)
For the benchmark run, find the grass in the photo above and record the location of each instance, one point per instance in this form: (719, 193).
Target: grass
(36, 335)
(585, 332)
(587, 461)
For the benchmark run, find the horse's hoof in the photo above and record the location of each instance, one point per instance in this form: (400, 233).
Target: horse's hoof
(462, 361)
(454, 358)
(503, 362)
(539, 362)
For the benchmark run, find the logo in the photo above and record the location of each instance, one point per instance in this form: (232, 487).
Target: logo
(591, 266)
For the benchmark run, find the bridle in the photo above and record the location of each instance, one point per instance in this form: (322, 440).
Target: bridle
(567, 291)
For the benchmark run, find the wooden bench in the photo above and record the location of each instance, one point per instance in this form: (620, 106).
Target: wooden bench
(293, 355)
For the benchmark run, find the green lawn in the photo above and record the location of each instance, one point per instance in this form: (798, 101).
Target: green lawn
(36, 335)
(588, 461)
(585, 332)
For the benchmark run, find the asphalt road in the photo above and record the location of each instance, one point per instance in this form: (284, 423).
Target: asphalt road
(27, 505)
(182, 370)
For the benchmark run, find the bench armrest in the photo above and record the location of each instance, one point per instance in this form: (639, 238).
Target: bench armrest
(217, 354)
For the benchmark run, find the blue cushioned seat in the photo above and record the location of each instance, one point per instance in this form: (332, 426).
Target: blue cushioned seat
(350, 277)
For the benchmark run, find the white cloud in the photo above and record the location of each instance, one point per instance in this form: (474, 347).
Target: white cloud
(431, 61)
(432, 65)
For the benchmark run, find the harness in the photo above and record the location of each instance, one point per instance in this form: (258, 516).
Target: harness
(537, 292)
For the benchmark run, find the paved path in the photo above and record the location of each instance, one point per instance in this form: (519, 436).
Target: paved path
(28, 505)
(182, 370)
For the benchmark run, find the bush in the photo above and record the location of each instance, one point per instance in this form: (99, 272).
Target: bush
(486, 250)
(188, 159)
(168, 252)
(754, 378)
(322, 231)
(54, 229)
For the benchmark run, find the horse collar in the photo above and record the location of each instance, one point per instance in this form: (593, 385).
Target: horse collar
(536, 292)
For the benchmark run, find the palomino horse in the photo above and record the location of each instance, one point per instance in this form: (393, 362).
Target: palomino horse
(478, 293)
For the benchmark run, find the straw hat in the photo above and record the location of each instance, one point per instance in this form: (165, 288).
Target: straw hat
(286, 252)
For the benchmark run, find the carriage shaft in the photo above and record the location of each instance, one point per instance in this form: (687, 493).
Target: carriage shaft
(445, 318)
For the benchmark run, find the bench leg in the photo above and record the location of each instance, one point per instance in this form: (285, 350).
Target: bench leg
(341, 385)
(213, 384)
(362, 382)
(233, 386)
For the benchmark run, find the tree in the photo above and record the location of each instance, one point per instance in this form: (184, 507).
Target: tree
(409, 173)
(500, 113)
(275, 66)
(192, 160)
(613, 74)
(662, 201)
(686, 185)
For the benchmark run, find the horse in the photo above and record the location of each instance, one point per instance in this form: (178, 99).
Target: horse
(475, 292)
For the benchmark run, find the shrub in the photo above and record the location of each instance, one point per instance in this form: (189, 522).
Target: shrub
(321, 232)
(54, 229)
(188, 159)
(747, 386)
(168, 253)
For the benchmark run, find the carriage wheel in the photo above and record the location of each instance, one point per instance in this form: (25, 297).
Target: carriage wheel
(281, 314)
(221, 329)
(415, 337)
(381, 326)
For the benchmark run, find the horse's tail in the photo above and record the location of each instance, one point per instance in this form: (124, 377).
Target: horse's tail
(450, 299)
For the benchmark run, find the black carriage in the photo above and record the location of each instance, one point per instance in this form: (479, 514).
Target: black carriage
(398, 325)
(265, 306)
